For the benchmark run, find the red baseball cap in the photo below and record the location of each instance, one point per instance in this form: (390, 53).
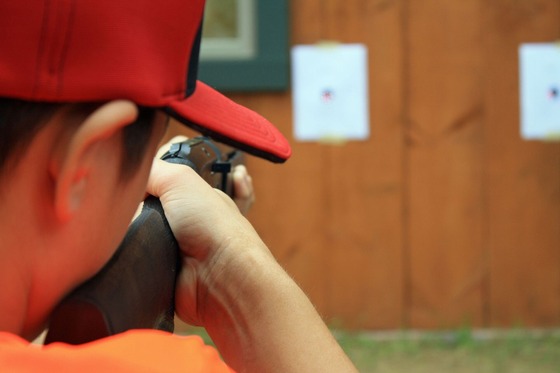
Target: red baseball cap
(145, 51)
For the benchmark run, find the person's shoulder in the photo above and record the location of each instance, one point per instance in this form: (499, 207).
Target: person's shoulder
(133, 351)
(9, 339)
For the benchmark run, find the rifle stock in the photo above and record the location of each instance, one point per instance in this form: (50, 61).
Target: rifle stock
(136, 288)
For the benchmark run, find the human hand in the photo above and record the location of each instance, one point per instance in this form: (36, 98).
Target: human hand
(230, 283)
(243, 191)
(213, 236)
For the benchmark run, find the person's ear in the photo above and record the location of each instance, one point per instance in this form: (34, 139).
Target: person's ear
(96, 140)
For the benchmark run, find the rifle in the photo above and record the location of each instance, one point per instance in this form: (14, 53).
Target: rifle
(136, 288)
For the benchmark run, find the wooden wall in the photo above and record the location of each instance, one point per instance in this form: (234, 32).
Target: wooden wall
(444, 217)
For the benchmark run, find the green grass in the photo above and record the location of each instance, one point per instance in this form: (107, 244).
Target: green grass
(456, 352)
(460, 351)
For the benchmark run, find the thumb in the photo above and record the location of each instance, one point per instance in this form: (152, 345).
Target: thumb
(166, 176)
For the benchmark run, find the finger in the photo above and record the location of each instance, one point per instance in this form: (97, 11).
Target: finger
(244, 195)
(242, 185)
(164, 176)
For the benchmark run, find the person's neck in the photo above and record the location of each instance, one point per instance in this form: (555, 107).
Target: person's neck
(25, 290)
(14, 294)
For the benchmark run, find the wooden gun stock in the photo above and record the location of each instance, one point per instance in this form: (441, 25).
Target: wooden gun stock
(136, 289)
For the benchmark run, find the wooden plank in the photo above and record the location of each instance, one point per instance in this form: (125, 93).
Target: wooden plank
(291, 198)
(522, 177)
(447, 265)
(364, 228)
(337, 222)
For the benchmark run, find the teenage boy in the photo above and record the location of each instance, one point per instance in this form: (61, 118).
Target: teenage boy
(86, 87)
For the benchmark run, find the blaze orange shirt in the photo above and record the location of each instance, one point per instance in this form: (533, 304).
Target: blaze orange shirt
(132, 351)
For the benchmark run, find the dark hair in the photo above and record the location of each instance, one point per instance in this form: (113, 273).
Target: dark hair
(21, 120)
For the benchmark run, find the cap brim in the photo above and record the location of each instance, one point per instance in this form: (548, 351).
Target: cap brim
(214, 115)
